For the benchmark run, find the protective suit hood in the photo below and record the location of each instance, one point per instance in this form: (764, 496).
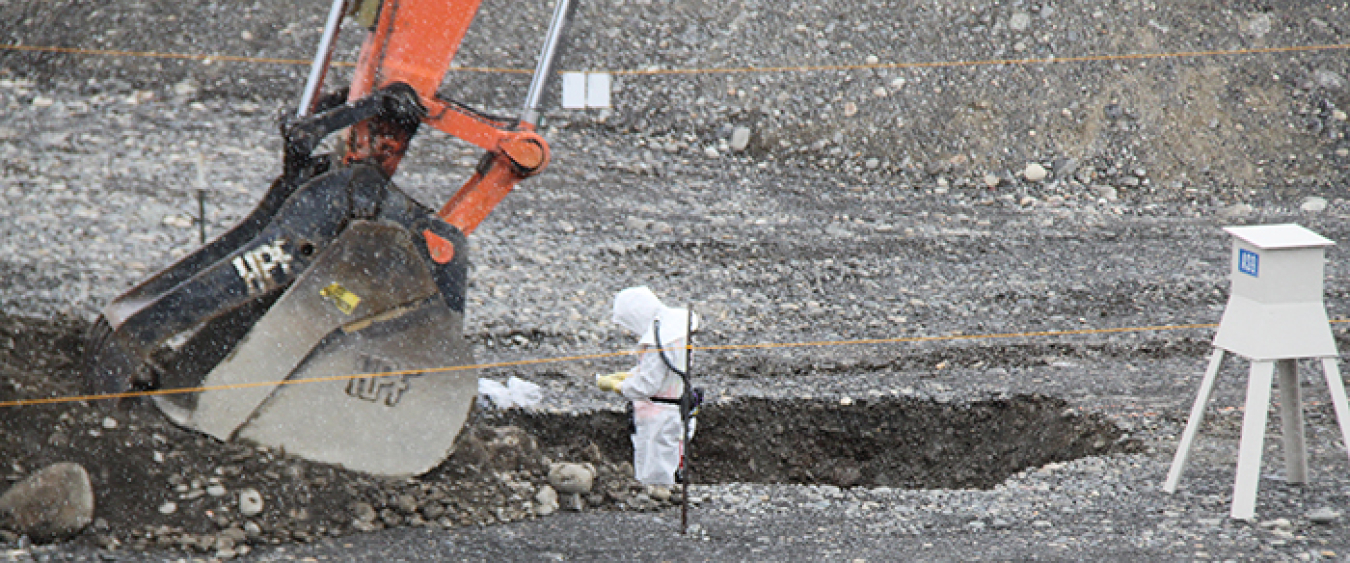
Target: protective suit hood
(636, 307)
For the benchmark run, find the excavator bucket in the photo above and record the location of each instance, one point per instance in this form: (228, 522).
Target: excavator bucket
(329, 322)
(334, 333)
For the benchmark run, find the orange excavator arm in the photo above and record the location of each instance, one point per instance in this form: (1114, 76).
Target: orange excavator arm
(413, 42)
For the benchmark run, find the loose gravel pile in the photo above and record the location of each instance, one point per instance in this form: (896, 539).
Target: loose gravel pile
(870, 200)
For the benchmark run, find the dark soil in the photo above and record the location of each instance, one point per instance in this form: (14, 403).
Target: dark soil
(898, 443)
(138, 461)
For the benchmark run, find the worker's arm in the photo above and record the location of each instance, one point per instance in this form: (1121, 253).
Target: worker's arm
(652, 377)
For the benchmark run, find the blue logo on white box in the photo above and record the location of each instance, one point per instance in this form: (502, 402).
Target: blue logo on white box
(1249, 262)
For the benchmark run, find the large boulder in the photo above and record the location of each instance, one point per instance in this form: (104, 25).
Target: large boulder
(52, 504)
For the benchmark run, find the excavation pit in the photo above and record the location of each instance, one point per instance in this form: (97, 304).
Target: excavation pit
(896, 442)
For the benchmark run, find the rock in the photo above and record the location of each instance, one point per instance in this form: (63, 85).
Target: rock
(505, 448)
(1019, 21)
(234, 535)
(573, 502)
(250, 502)
(406, 503)
(1236, 211)
(1107, 193)
(1323, 516)
(992, 180)
(659, 493)
(1034, 172)
(186, 88)
(1314, 204)
(364, 512)
(216, 491)
(571, 478)
(109, 423)
(1277, 524)
(1066, 167)
(54, 503)
(168, 508)
(546, 501)
(1329, 79)
(740, 139)
(1258, 26)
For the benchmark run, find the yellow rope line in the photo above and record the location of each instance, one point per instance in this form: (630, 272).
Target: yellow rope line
(536, 361)
(993, 62)
(678, 71)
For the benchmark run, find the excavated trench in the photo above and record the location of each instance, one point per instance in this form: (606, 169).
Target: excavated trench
(900, 443)
(893, 442)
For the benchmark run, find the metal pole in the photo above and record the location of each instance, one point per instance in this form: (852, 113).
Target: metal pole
(685, 406)
(201, 198)
(543, 69)
(319, 68)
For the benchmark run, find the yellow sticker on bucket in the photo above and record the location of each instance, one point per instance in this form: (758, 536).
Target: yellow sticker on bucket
(345, 301)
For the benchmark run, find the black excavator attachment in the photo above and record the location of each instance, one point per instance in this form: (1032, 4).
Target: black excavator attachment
(338, 280)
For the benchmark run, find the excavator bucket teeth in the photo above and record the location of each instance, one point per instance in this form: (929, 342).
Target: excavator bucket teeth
(335, 332)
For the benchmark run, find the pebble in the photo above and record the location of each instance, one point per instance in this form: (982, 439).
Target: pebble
(1323, 516)
(546, 501)
(250, 502)
(740, 139)
(1313, 204)
(1107, 193)
(1329, 79)
(1277, 524)
(1034, 172)
(1019, 21)
(216, 490)
(1236, 211)
(169, 507)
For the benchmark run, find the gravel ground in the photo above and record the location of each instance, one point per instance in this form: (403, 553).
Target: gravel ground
(870, 203)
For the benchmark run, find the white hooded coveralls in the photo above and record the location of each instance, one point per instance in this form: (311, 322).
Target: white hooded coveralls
(657, 447)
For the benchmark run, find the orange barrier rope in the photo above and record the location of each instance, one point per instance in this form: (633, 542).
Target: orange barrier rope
(536, 361)
(776, 69)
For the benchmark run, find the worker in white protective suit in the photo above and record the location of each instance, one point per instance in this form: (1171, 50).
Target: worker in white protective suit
(653, 387)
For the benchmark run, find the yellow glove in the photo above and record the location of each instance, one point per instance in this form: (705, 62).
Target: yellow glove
(612, 382)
